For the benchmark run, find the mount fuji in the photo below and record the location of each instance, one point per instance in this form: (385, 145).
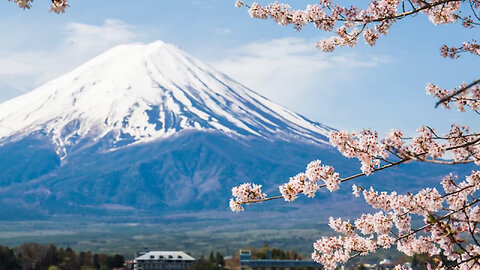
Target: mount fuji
(144, 128)
(148, 129)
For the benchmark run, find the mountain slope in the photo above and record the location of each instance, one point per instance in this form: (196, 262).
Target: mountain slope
(138, 93)
(190, 172)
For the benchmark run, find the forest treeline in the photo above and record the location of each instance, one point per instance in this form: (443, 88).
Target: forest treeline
(34, 256)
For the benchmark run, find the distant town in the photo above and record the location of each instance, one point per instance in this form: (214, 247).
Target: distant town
(34, 256)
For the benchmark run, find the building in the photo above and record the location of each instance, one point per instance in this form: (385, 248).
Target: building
(162, 260)
(246, 263)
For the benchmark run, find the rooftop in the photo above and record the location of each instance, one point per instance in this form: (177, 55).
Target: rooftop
(165, 255)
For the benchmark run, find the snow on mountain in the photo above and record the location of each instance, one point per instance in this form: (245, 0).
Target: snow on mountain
(141, 92)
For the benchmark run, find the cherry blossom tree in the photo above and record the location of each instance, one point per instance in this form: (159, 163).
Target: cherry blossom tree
(451, 217)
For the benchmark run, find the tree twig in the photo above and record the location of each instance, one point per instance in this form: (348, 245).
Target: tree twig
(461, 90)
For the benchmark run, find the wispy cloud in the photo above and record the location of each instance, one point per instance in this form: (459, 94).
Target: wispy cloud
(283, 69)
(24, 70)
(85, 38)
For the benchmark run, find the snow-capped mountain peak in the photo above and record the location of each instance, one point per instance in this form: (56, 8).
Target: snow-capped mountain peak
(141, 92)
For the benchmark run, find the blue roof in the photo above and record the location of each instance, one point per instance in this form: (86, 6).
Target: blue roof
(283, 263)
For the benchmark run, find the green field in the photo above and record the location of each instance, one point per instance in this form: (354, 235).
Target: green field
(191, 234)
(199, 237)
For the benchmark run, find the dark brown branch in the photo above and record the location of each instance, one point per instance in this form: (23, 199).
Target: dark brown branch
(461, 90)
(473, 10)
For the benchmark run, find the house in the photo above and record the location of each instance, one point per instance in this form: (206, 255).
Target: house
(163, 260)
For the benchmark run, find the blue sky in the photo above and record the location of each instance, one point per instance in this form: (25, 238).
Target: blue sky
(380, 87)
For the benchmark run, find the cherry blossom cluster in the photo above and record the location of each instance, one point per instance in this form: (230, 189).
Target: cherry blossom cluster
(450, 220)
(372, 21)
(449, 231)
(463, 96)
(310, 181)
(245, 194)
(25, 4)
(461, 136)
(374, 154)
(392, 225)
(58, 6)
(424, 143)
(444, 13)
(472, 47)
(363, 145)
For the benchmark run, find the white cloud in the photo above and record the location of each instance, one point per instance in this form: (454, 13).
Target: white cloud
(23, 71)
(85, 38)
(283, 69)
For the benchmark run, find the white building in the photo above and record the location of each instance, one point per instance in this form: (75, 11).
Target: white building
(163, 260)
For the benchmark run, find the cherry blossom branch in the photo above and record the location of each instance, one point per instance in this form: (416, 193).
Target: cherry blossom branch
(325, 185)
(416, 10)
(438, 219)
(447, 98)
(382, 14)
(291, 18)
(451, 212)
(326, 173)
(445, 230)
(473, 10)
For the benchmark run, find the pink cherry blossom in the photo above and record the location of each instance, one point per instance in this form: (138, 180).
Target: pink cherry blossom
(450, 216)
